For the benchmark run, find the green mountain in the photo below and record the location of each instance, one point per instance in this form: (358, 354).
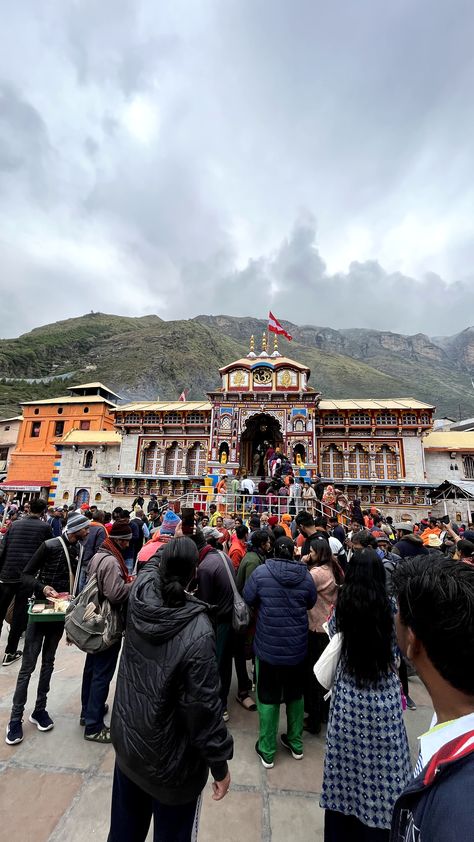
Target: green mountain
(148, 358)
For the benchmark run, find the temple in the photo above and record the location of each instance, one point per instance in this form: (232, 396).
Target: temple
(371, 448)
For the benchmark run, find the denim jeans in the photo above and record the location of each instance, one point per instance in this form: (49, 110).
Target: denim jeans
(8, 590)
(44, 638)
(132, 811)
(98, 673)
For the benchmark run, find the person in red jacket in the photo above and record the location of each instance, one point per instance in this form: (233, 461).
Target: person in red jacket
(238, 546)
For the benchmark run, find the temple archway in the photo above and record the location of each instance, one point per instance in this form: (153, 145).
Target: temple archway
(261, 431)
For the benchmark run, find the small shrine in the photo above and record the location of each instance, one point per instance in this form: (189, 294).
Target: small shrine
(264, 401)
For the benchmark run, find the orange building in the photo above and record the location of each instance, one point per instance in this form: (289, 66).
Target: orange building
(34, 465)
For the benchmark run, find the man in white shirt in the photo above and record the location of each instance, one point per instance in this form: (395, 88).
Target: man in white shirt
(247, 485)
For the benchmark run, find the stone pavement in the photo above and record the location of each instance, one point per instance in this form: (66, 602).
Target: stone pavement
(56, 787)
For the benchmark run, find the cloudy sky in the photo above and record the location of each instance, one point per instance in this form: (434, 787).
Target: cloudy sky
(227, 156)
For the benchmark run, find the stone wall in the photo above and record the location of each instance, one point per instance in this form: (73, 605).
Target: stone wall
(73, 475)
(413, 454)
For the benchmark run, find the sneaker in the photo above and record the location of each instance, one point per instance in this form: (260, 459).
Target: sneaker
(42, 720)
(82, 721)
(267, 764)
(298, 755)
(101, 737)
(14, 733)
(10, 659)
(410, 703)
(225, 716)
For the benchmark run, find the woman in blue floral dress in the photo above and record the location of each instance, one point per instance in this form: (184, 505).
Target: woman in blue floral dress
(367, 762)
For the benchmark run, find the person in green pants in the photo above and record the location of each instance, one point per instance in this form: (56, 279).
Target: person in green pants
(282, 591)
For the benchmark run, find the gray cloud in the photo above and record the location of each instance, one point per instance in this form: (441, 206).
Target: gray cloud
(218, 158)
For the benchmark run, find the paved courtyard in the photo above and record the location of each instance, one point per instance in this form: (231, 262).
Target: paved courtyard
(55, 786)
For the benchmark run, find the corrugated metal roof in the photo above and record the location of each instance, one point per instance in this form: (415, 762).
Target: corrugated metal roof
(449, 441)
(91, 437)
(95, 385)
(69, 399)
(443, 489)
(374, 403)
(164, 406)
(15, 418)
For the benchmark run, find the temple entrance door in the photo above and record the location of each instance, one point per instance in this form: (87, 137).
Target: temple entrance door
(260, 432)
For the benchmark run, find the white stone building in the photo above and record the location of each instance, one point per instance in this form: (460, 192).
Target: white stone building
(449, 458)
(83, 455)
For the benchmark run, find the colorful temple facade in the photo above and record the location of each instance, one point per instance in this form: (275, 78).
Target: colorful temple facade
(370, 448)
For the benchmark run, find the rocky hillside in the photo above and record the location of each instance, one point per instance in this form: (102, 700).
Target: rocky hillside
(150, 358)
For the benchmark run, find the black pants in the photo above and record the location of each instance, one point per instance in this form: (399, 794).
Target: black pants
(132, 811)
(8, 590)
(98, 673)
(314, 704)
(339, 828)
(244, 683)
(40, 637)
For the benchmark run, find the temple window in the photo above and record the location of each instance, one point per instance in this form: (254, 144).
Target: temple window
(196, 418)
(196, 460)
(386, 463)
(131, 418)
(361, 419)
(174, 460)
(334, 419)
(386, 419)
(410, 418)
(151, 418)
(171, 418)
(359, 463)
(299, 426)
(333, 463)
(152, 459)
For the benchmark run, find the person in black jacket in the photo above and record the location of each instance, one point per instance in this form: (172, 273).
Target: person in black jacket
(166, 727)
(435, 630)
(19, 545)
(50, 571)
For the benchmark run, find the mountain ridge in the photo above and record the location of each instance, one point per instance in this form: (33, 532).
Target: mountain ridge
(147, 357)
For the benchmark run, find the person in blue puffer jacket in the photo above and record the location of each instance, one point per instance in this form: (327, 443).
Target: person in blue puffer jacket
(283, 591)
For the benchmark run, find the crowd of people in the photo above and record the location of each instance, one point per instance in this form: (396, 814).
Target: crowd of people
(380, 599)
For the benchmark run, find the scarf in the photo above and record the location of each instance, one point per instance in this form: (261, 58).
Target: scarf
(113, 549)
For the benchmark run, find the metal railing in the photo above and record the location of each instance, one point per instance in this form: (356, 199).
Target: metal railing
(242, 504)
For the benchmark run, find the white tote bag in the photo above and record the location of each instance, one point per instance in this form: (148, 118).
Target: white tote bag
(326, 665)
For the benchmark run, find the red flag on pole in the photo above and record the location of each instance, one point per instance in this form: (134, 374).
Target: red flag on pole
(274, 326)
(183, 395)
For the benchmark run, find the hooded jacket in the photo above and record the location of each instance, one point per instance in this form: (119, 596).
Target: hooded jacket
(410, 546)
(167, 727)
(283, 591)
(437, 807)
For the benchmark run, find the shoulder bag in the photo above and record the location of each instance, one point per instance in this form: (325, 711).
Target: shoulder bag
(92, 623)
(326, 666)
(240, 610)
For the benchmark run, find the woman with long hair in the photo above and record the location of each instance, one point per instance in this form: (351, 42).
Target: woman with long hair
(367, 762)
(167, 727)
(327, 576)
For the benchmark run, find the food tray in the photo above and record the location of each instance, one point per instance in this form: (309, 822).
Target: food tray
(54, 617)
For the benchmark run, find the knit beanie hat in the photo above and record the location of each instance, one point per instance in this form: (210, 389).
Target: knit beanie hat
(169, 524)
(121, 530)
(76, 522)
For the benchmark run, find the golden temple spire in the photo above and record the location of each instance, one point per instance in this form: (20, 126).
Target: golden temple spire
(275, 342)
(252, 343)
(264, 341)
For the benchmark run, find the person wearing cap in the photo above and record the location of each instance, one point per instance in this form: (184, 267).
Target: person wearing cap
(160, 536)
(283, 592)
(407, 544)
(51, 570)
(114, 583)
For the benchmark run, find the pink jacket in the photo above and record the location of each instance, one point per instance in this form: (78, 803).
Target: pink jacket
(327, 597)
